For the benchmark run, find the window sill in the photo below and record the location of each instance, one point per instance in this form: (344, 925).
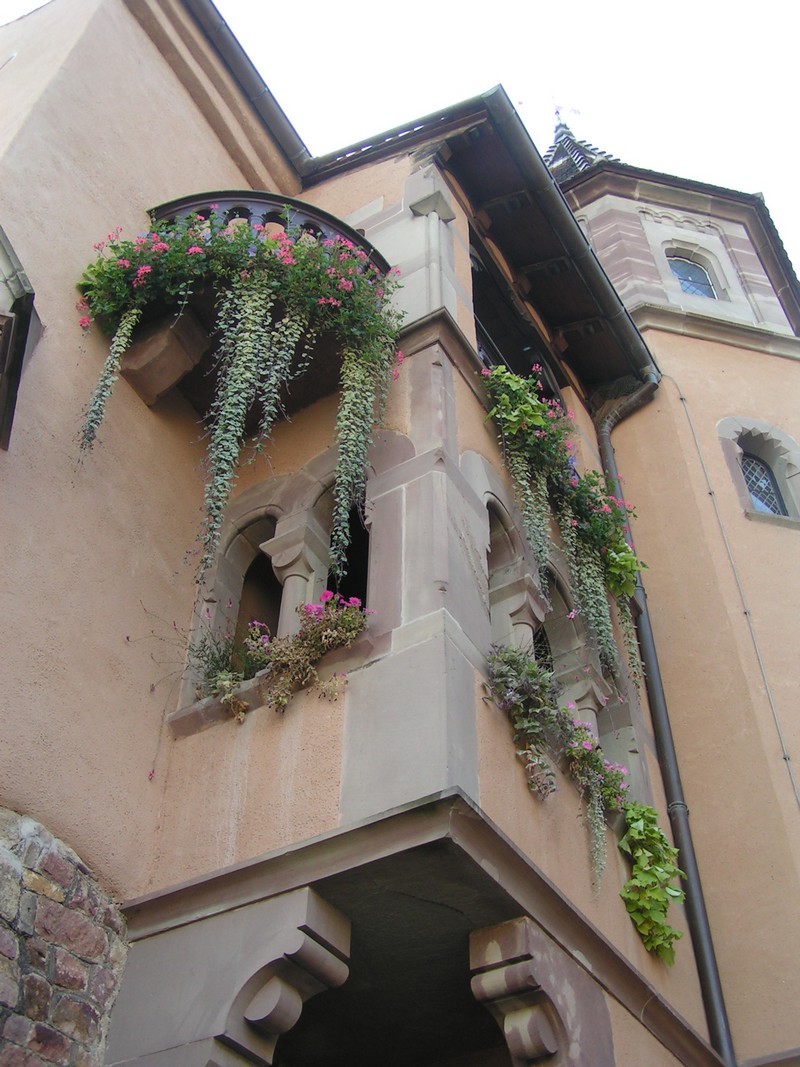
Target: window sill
(210, 711)
(773, 520)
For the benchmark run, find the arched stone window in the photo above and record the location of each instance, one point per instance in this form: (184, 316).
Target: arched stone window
(765, 468)
(692, 276)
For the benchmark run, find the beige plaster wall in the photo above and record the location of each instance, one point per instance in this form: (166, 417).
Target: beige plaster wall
(92, 553)
(236, 791)
(634, 1046)
(744, 813)
(32, 51)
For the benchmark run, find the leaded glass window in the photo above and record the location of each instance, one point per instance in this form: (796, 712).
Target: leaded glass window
(693, 278)
(761, 485)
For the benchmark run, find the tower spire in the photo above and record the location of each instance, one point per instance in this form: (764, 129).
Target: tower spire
(568, 156)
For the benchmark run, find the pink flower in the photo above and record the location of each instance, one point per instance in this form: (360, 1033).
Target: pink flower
(84, 322)
(572, 614)
(141, 275)
(345, 284)
(213, 206)
(485, 372)
(326, 596)
(588, 745)
(395, 374)
(399, 356)
(123, 262)
(159, 246)
(194, 250)
(570, 413)
(354, 602)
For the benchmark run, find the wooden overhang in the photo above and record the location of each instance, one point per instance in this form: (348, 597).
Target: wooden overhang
(514, 201)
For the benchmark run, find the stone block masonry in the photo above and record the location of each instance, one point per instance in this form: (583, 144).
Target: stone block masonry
(62, 949)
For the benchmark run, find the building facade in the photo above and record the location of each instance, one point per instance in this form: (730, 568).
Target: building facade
(372, 878)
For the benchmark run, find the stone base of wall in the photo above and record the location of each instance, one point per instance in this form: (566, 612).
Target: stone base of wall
(62, 950)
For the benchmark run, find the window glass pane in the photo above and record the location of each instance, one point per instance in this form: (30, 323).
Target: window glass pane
(693, 278)
(761, 485)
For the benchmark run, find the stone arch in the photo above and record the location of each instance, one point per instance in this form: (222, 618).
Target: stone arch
(775, 448)
(287, 520)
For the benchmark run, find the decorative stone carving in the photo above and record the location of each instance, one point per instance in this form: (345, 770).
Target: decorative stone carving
(510, 990)
(543, 1002)
(230, 982)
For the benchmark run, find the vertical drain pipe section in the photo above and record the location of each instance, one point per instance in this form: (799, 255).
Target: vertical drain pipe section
(697, 916)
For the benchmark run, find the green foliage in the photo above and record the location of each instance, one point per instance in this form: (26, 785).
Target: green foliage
(276, 292)
(649, 891)
(535, 434)
(285, 664)
(529, 696)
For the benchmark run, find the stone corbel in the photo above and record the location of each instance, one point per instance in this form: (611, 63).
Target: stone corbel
(505, 981)
(219, 989)
(271, 1001)
(163, 355)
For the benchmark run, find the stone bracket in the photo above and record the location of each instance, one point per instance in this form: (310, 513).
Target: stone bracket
(229, 982)
(504, 980)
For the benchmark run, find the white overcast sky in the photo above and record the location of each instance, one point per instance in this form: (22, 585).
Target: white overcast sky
(704, 91)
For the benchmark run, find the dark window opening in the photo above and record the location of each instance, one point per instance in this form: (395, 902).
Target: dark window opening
(542, 652)
(261, 597)
(354, 582)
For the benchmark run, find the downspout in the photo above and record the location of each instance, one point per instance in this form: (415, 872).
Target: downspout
(697, 916)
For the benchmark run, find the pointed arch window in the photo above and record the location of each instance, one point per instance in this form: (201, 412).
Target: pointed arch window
(692, 276)
(762, 485)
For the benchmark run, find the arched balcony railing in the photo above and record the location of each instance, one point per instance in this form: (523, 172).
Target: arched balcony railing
(271, 210)
(183, 355)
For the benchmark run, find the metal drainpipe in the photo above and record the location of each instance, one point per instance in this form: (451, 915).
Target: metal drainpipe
(697, 916)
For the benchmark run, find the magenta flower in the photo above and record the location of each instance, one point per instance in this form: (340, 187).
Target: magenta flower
(485, 372)
(326, 596)
(354, 602)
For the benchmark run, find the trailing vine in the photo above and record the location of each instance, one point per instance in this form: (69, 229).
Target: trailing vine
(535, 436)
(544, 731)
(649, 891)
(276, 293)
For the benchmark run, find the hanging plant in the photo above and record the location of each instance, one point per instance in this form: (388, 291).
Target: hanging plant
(528, 694)
(276, 293)
(282, 664)
(535, 435)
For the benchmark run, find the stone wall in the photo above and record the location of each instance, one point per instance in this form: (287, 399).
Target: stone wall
(62, 949)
